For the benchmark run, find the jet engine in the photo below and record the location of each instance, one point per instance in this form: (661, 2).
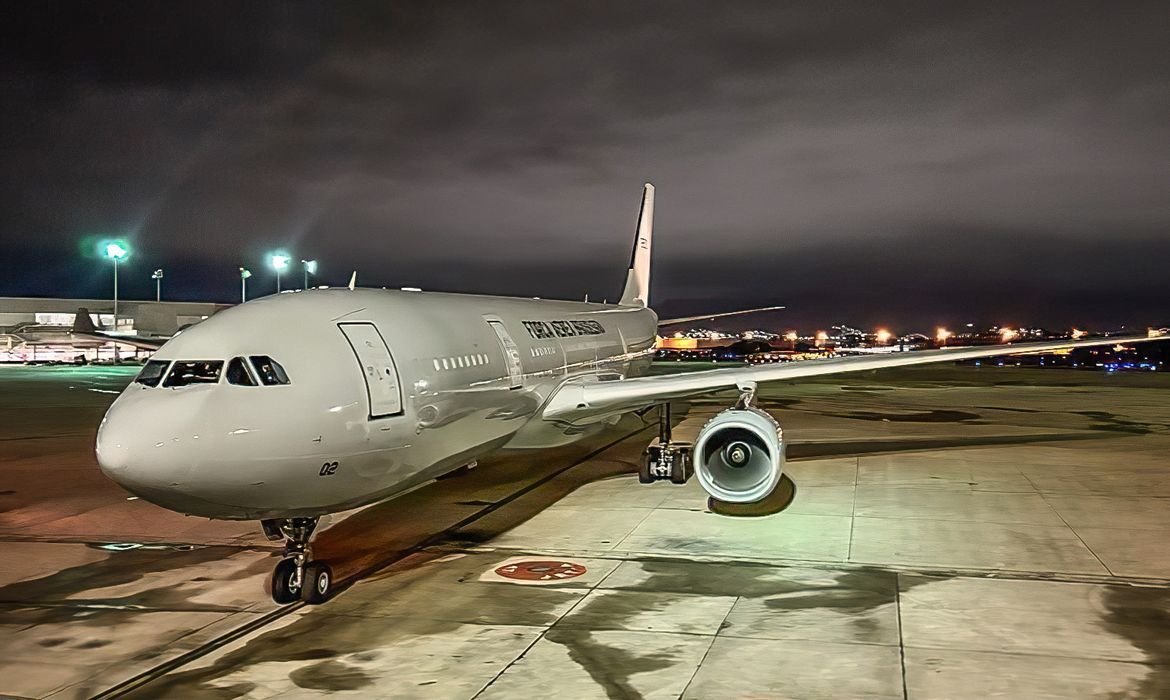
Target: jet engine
(739, 455)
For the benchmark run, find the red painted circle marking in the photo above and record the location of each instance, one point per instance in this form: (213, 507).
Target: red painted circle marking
(541, 570)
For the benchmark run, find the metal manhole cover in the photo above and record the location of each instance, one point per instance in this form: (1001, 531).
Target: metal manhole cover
(541, 570)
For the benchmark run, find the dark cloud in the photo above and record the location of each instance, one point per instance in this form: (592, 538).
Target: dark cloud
(469, 146)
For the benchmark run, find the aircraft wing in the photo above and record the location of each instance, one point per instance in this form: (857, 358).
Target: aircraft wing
(141, 343)
(708, 317)
(582, 399)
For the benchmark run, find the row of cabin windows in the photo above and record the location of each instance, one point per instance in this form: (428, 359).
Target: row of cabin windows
(543, 351)
(460, 361)
(251, 371)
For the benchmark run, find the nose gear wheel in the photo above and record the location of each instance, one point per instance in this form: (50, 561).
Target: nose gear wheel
(297, 577)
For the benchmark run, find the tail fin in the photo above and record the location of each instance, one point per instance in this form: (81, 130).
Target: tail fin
(637, 289)
(83, 322)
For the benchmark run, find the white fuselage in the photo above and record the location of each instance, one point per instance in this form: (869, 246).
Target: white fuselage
(464, 375)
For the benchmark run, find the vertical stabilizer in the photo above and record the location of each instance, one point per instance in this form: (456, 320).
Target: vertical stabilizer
(637, 289)
(83, 322)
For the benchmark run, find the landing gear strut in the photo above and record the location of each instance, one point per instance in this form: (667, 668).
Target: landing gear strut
(296, 576)
(664, 458)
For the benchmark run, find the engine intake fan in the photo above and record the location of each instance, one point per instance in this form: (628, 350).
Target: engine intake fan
(739, 455)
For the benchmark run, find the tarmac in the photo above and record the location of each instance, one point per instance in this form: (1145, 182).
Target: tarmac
(956, 532)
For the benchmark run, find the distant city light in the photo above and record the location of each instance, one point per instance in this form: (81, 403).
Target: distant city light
(822, 337)
(790, 336)
(1077, 334)
(1008, 334)
(942, 334)
(884, 336)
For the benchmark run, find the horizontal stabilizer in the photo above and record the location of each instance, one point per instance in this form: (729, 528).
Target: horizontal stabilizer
(705, 317)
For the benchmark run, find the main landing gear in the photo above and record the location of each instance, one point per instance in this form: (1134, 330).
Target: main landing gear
(664, 458)
(296, 576)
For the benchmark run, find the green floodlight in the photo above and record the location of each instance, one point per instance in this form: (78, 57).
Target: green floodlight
(310, 269)
(279, 262)
(117, 250)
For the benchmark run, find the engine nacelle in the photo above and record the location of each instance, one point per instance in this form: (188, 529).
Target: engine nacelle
(739, 455)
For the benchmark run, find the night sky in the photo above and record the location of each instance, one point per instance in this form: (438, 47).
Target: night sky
(869, 163)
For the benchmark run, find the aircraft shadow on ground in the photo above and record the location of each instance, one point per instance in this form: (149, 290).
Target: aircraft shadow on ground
(374, 538)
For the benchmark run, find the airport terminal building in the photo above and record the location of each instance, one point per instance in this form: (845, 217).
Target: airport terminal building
(34, 328)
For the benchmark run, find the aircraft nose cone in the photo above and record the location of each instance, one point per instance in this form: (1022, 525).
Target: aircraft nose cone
(130, 450)
(115, 449)
(156, 447)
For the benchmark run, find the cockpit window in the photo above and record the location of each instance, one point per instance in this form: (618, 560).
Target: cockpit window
(199, 372)
(238, 373)
(270, 371)
(152, 372)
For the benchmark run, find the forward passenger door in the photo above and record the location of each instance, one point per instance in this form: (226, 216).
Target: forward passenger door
(511, 354)
(378, 369)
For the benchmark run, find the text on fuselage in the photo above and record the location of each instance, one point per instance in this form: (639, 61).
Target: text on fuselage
(562, 329)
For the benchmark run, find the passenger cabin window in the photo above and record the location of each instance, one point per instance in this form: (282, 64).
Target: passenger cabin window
(270, 371)
(152, 372)
(200, 372)
(238, 373)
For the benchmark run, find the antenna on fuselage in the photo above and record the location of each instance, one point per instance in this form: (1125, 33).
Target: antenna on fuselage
(353, 280)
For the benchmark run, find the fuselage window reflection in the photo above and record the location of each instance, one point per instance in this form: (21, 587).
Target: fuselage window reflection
(152, 372)
(238, 373)
(270, 371)
(197, 372)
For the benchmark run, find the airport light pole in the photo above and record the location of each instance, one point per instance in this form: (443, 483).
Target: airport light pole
(245, 273)
(279, 262)
(116, 251)
(157, 276)
(310, 269)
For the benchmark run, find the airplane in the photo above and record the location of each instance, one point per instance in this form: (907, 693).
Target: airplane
(29, 335)
(294, 406)
(84, 330)
(83, 334)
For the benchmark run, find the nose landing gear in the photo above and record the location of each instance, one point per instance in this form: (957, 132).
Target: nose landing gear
(296, 576)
